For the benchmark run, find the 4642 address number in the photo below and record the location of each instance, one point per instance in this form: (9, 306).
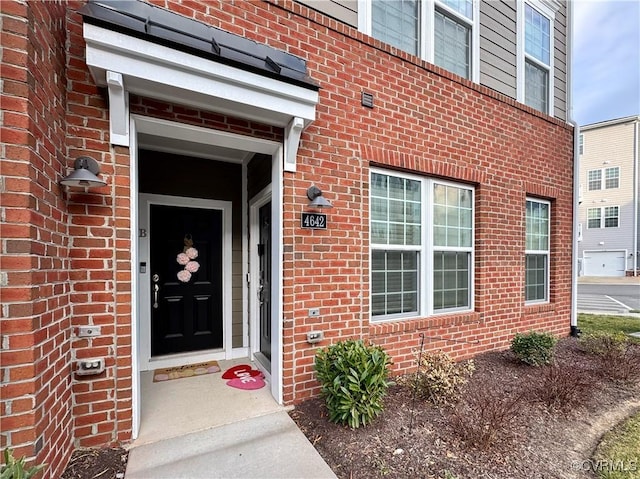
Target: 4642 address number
(316, 221)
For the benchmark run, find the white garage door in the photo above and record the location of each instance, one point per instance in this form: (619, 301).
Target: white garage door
(604, 263)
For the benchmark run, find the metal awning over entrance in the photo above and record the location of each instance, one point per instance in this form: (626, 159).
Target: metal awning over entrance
(134, 47)
(148, 22)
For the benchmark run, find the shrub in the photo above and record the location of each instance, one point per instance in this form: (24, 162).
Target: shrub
(354, 381)
(15, 468)
(483, 415)
(604, 343)
(534, 348)
(622, 366)
(562, 388)
(440, 378)
(619, 358)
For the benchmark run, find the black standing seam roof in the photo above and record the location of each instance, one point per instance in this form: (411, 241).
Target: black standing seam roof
(157, 25)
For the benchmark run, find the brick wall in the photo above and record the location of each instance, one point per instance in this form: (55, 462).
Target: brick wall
(35, 346)
(100, 259)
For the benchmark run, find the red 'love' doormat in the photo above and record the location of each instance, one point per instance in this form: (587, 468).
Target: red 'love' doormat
(178, 372)
(243, 376)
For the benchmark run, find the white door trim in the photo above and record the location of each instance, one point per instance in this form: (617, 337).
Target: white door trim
(258, 201)
(146, 360)
(204, 136)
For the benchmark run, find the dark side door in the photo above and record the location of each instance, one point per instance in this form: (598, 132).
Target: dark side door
(186, 279)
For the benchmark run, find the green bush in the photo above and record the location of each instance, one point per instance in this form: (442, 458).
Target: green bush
(15, 468)
(534, 348)
(604, 343)
(354, 381)
(440, 378)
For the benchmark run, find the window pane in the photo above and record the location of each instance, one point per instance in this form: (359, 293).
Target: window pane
(537, 35)
(394, 282)
(537, 224)
(463, 7)
(452, 44)
(593, 218)
(396, 22)
(536, 277)
(594, 178)
(451, 216)
(451, 280)
(379, 233)
(535, 87)
(395, 210)
(612, 177)
(611, 217)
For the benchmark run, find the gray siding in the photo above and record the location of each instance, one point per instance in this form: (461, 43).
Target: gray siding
(498, 58)
(345, 11)
(606, 147)
(560, 60)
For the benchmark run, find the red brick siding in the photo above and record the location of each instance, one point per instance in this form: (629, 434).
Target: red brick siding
(100, 252)
(35, 317)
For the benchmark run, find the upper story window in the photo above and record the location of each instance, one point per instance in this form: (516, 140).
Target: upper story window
(443, 32)
(604, 179)
(612, 177)
(535, 55)
(421, 246)
(594, 179)
(396, 23)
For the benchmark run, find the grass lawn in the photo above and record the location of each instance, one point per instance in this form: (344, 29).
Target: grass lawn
(618, 455)
(589, 323)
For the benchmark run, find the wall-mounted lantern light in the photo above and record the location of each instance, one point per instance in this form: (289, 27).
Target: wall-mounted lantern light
(316, 199)
(85, 171)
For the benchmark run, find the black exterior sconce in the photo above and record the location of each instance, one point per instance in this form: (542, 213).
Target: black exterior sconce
(316, 199)
(85, 171)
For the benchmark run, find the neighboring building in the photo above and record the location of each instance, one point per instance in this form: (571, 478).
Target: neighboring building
(609, 211)
(437, 130)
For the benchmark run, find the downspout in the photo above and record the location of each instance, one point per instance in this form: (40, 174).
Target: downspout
(575, 332)
(636, 195)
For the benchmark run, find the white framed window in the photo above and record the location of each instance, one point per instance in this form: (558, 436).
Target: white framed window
(442, 32)
(605, 217)
(535, 63)
(612, 177)
(604, 179)
(422, 238)
(538, 224)
(611, 216)
(594, 179)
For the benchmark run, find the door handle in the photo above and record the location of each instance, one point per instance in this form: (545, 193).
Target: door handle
(156, 288)
(261, 292)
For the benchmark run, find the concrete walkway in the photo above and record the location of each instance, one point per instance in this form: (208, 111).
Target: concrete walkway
(268, 446)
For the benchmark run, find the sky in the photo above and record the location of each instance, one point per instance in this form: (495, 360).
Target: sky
(606, 62)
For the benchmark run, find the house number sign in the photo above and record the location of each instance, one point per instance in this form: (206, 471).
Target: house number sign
(316, 221)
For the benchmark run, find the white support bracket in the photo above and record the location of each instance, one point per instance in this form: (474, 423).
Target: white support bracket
(291, 142)
(118, 110)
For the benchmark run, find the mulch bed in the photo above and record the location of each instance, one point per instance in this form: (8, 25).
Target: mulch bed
(415, 439)
(107, 463)
(410, 440)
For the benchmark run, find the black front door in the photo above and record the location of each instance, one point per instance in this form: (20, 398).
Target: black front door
(186, 279)
(264, 288)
